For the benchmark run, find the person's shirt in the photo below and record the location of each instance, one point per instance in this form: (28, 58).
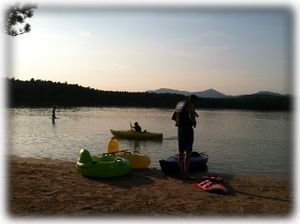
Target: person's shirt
(191, 111)
(137, 128)
(184, 114)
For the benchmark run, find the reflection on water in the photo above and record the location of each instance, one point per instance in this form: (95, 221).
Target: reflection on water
(236, 141)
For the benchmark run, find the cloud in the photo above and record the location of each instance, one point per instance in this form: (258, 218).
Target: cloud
(84, 33)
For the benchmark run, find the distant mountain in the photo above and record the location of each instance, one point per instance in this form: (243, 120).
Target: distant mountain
(210, 93)
(268, 93)
(166, 90)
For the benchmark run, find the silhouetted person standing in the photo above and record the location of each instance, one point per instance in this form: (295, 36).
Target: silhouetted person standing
(53, 111)
(184, 115)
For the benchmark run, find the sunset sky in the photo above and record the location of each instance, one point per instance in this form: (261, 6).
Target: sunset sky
(234, 50)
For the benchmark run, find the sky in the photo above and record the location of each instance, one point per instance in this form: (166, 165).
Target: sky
(234, 50)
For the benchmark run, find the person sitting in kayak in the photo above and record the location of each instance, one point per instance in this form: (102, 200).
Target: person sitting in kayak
(137, 127)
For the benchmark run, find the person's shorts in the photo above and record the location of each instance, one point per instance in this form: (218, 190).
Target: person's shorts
(185, 139)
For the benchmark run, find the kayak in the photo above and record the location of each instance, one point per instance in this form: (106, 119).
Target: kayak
(108, 165)
(170, 165)
(136, 159)
(136, 135)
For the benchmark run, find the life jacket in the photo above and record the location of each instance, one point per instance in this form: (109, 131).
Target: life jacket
(211, 187)
(182, 116)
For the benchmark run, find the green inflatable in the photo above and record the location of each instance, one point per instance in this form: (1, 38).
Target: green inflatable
(108, 165)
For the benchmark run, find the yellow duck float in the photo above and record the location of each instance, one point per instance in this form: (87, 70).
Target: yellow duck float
(136, 159)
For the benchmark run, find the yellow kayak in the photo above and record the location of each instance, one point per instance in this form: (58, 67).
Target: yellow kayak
(136, 135)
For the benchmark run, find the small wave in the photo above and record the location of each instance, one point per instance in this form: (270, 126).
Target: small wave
(170, 138)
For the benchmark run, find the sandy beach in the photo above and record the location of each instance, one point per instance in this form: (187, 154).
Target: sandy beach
(52, 188)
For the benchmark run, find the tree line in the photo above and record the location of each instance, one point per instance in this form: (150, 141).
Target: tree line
(39, 93)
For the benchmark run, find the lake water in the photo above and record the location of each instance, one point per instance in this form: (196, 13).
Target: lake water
(251, 142)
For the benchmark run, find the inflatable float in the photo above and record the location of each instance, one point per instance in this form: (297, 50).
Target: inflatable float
(170, 165)
(131, 134)
(107, 165)
(136, 159)
(211, 187)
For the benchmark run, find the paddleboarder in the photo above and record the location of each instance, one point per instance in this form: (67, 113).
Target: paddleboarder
(53, 111)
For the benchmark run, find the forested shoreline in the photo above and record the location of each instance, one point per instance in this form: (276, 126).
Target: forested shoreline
(39, 93)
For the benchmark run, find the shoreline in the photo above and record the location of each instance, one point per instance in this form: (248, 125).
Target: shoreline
(54, 188)
(211, 169)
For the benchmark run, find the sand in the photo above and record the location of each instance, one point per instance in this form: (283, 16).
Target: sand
(53, 189)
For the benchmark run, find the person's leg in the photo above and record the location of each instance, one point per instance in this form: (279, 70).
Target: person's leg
(187, 161)
(181, 163)
(190, 140)
(181, 150)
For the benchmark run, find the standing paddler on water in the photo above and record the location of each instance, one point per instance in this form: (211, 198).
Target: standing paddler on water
(185, 117)
(53, 111)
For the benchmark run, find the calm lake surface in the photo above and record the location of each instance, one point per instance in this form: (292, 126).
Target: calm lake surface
(251, 142)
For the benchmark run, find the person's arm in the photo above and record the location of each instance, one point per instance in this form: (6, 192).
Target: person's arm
(174, 116)
(191, 111)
